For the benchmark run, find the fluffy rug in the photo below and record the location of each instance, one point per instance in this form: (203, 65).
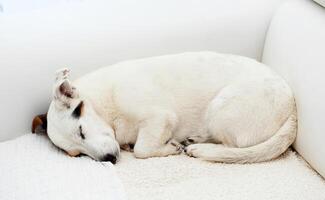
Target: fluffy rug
(182, 177)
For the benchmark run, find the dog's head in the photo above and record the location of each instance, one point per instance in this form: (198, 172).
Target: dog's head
(74, 126)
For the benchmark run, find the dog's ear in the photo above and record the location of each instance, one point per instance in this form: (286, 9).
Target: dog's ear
(63, 91)
(39, 124)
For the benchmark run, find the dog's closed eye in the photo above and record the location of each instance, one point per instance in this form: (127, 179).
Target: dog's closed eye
(82, 135)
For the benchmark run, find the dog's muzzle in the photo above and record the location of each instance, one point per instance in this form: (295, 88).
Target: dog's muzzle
(109, 158)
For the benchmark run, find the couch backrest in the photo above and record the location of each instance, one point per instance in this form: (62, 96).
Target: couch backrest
(295, 47)
(85, 35)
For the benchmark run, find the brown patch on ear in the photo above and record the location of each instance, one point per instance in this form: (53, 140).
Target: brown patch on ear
(39, 124)
(66, 90)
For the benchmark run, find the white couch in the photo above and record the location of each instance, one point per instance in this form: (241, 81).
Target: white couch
(84, 35)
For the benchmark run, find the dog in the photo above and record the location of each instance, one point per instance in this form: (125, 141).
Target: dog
(223, 108)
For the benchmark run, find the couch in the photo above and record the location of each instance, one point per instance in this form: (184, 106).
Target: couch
(287, 35)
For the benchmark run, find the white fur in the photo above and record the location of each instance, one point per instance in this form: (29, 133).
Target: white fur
(238, 109)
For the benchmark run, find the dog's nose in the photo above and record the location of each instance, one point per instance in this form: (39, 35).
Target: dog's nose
(109, 157)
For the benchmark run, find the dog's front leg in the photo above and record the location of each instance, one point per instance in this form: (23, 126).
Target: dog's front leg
(155, 137)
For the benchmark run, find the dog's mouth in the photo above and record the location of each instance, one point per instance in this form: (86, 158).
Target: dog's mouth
(81, 155)
(106, 158)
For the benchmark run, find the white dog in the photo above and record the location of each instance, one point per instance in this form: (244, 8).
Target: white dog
(225, 108)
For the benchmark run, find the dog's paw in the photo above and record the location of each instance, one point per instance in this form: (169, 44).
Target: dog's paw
(179, 147)
(127, 147)
(192, 140)
(190, 150)
(188, 141)
(198, 150)
(173, 148)
(62, 74)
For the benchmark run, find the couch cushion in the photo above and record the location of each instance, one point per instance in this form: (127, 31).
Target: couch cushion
(295, 48)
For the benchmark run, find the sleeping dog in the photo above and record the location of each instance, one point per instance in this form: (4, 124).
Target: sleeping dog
(223, 108)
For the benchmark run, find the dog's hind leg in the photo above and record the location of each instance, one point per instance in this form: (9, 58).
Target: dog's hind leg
(254, 121)
(155, 137)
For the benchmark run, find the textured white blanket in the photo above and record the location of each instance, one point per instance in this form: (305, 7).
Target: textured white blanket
(181, 177)
(31, 168)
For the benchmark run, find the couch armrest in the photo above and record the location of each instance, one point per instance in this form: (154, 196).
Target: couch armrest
(295, 47)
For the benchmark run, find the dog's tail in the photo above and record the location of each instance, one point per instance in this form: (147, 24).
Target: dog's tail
(267, 150)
